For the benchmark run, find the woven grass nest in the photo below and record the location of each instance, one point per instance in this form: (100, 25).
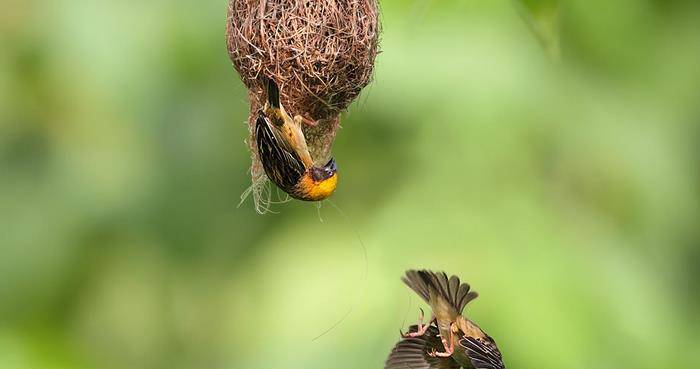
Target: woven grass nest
(320, 52)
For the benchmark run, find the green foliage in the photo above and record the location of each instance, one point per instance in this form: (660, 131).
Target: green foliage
(543, 18)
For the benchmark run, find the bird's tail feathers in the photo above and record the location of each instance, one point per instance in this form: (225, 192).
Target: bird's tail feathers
(273, 94)
(451, 289)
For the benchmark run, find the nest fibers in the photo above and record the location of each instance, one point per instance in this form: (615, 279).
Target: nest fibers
(321, 54)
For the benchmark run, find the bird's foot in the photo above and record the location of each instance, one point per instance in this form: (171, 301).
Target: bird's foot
(300, 119)
(447, 353)
(419, 333)
(421, 327)
(449, 348)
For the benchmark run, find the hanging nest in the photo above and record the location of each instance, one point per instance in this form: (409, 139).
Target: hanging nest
(320, 52)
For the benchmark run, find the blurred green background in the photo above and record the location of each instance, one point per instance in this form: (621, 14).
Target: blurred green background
(566, 192)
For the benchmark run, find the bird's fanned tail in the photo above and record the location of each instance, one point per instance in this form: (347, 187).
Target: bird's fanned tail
(451, 289)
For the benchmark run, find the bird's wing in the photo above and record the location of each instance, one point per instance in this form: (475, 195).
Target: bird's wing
(482, 352)
(278, 134)
(282, 165)
(412, 353)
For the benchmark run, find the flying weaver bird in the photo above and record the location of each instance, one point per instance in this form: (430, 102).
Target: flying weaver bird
(284, 155)
(465, 344)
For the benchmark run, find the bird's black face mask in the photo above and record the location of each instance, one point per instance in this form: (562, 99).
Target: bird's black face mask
(327, 171)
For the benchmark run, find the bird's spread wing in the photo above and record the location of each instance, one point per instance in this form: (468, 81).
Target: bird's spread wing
(482, 352)
(412, 353)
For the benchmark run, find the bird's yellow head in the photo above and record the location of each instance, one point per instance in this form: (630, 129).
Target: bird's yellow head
(318, 183)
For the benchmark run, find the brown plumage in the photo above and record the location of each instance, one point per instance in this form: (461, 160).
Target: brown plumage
(414, 352)
(463, 341)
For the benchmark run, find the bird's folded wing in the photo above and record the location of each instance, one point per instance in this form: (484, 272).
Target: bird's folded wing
(483, 353)
(282, 164)
(412, 353)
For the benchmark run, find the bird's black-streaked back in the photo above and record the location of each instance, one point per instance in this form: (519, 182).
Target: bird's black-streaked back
(284, 167)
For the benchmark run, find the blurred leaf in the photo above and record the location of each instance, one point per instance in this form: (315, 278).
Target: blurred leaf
(542, 16)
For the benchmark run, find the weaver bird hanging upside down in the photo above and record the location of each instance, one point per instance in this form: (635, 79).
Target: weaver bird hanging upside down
(284, 155)
(465, 344)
